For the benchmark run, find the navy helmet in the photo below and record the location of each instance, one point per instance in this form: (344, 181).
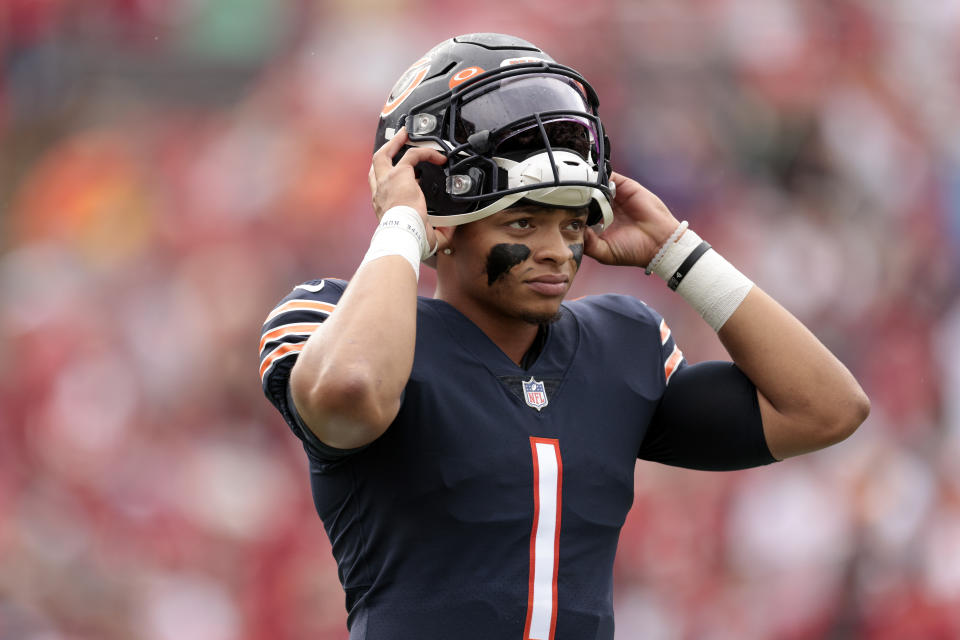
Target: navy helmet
(515, 126)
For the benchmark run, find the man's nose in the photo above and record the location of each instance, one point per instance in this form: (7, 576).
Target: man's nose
(551, 245)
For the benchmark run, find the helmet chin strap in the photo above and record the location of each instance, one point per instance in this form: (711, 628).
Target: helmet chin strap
(537, 169)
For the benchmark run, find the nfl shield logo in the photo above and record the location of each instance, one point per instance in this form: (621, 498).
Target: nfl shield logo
(534, 393)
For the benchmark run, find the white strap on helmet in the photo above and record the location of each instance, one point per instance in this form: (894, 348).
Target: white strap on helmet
(538, 169)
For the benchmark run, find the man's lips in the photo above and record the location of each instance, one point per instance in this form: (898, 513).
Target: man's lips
(549, 284)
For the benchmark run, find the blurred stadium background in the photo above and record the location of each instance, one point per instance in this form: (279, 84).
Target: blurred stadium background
(170, 168)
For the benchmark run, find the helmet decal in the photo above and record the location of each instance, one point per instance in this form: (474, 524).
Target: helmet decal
(409, 81)
(463, 75)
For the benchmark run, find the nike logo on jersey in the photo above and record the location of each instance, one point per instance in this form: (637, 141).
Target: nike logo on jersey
(313, 288)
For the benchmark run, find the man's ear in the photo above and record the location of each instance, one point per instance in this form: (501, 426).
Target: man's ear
(444, 237)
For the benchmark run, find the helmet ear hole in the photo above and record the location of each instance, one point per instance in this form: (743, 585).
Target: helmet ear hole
(594, 214)
(437, 188)
(433, 182)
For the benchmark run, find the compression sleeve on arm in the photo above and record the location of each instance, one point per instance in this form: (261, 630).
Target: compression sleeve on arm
(709, 419)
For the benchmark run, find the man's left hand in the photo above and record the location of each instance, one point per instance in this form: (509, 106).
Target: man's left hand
(641, 224)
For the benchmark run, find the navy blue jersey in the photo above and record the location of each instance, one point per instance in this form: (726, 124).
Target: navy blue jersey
(492, 505)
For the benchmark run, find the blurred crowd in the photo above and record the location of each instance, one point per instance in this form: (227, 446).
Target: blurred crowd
(169, 169)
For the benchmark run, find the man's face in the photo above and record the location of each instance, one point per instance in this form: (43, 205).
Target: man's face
(519, 263)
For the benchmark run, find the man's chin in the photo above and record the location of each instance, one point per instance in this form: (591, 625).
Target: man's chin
(539, 318)
(532, 309)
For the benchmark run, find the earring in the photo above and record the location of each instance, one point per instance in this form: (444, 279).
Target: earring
(448, 251)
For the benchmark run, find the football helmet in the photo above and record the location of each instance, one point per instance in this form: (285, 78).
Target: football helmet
(514, 125)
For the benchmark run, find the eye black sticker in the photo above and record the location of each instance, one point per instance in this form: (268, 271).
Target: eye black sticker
(577, 250)
(504, 257)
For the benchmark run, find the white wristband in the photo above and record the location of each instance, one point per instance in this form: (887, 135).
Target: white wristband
(666, 245)
(712, 286)
(400, 233)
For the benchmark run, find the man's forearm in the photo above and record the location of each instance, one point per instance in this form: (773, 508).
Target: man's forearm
(808, 398)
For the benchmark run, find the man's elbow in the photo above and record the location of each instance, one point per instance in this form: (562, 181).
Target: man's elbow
(818, 422)
(343, 409)
(845, 417)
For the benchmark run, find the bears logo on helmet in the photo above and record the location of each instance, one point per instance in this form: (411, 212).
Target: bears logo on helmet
(515, 126)
(409, 81)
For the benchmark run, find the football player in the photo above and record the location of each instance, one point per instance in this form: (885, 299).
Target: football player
(472, 454)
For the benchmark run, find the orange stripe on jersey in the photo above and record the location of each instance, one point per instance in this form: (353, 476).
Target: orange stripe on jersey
(664, 331)
(276, 354)
(301, 305)
(301, 329)
(670, 366)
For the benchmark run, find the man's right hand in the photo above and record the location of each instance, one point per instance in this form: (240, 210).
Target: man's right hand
(392, 184)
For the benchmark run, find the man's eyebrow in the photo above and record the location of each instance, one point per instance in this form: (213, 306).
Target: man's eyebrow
(535, 210)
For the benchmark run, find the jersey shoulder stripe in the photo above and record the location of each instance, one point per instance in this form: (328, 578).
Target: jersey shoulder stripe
(276, 354)
(672, 363)
(279, 334)
(301, 305)
(289, 324)
(664, 332)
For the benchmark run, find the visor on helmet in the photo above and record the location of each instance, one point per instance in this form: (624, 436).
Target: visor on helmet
(506, 108)
(570, 133)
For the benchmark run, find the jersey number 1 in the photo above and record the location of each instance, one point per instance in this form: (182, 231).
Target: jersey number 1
(544, 539)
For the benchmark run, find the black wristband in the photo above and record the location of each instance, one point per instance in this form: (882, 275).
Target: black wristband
(686, 265)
